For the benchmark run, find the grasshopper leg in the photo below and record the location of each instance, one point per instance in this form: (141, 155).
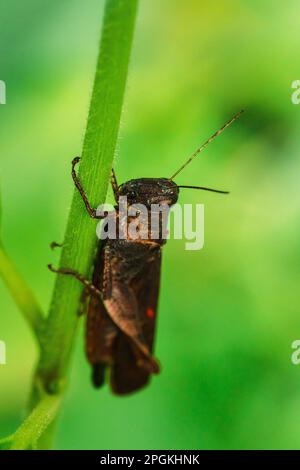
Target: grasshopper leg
(54, 245)
(92, 212)
(71, 272)
(114, 185)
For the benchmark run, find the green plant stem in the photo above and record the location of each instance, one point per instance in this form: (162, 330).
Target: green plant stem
(22, 294)
(95, 168)
(28, 434)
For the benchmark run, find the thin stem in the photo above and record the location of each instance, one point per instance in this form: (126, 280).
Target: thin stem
(28, 434)
(22, 294)
(95, 168)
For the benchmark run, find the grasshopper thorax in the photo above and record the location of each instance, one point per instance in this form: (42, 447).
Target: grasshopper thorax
(149, 191)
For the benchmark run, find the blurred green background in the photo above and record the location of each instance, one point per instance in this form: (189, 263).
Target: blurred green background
(228, 313)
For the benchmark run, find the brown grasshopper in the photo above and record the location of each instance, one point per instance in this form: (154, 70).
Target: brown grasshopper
(123, 293)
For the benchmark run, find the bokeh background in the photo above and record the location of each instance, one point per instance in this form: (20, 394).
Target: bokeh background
(228, 313)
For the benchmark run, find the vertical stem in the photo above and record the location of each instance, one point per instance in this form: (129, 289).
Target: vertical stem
(33, 427)
(21, 293)
(97, 156)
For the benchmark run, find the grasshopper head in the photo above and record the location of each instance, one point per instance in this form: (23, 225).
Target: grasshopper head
(149, 191)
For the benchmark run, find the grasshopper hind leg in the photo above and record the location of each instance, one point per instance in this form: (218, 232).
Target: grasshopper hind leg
(98, 374)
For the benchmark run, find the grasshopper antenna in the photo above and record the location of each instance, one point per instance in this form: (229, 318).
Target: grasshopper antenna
(207, 142)
(205, 189)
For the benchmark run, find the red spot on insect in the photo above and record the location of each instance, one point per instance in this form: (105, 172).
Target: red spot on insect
(150, 313)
